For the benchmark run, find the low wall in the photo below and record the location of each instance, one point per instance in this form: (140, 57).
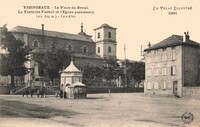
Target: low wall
(92, 90)
(193, 92)
(6, 89)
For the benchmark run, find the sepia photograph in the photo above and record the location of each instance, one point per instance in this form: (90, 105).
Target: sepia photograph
(73, 63)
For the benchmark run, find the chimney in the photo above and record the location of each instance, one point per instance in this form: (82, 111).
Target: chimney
(149, 44)
(42, 35)
(42, 29)
(186, 37)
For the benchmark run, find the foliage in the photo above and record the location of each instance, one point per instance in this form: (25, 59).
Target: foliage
(52, 61)
(13, 63)
(92, 72)
(111, 70)
(136, 71)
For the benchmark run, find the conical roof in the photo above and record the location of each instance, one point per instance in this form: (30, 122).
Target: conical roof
(77, 84)
(71, 68)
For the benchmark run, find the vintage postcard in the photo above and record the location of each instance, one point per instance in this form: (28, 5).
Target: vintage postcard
(86, 63)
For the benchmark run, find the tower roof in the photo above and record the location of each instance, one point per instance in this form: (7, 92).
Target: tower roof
(82, 32)
(105, 26)
(71, 68)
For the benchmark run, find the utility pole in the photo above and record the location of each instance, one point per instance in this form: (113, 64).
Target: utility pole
(125, 68)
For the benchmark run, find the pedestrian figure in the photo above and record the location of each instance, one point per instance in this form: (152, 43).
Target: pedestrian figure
(61, 94)
(65, 95)
(38, 92)
(32, 93)
(57, 93)
(42, 93)
(109, 92)
(23, 94)
(27, 92)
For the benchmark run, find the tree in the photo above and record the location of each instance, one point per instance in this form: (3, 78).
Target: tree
(92, 72)
(52, 61)
(13, 63)
(111, 70)
(136, 71)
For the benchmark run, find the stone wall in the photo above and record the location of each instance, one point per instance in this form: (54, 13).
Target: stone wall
(193, 92)
(191, 65)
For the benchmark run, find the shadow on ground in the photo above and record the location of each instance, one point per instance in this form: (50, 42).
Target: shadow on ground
(20, 109)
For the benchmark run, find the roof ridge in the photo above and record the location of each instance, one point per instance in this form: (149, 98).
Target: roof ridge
(44, 30)
(174, 35)
(50, 33)
(171, 41)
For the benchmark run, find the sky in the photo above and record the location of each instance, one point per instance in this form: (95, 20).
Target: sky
(136, 22)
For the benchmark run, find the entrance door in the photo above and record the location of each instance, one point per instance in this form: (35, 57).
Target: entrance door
(175, 87)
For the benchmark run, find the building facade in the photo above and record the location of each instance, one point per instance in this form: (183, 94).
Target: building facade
(172, 65)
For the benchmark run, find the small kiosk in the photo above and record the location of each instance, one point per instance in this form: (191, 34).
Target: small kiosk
(77, 90)
(71, 83)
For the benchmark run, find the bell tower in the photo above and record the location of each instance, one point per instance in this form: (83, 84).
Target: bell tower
(106, 44)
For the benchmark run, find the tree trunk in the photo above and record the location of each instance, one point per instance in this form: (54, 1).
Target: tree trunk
(12, 80)
(52, 79)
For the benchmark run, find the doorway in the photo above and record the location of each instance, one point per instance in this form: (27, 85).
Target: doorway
(175, 87)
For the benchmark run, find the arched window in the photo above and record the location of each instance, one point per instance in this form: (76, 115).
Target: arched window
(53, 46)
(84, 49)
(35, 44)
(98, 49)
(109, 49)
(69, 47)
(98, 35)
(109, 34)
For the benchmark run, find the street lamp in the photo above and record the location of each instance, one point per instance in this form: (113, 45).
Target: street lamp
(125, 74)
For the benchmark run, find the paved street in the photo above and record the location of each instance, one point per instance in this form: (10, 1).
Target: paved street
(99, 110)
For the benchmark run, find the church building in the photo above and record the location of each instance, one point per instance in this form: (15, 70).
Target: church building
(86, 51)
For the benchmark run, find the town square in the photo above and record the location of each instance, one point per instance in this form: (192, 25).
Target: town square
(98, 110)
(72, 63)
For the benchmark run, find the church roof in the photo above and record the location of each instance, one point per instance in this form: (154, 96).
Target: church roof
(105, 26)
(34, 31)
(173, 40)
(92, 56)
(71, 68)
